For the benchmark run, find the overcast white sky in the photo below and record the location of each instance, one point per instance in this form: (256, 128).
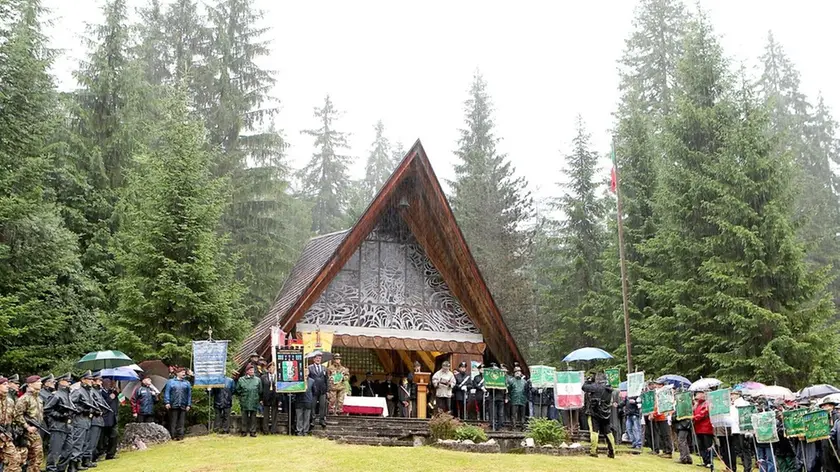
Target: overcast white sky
(411, 63)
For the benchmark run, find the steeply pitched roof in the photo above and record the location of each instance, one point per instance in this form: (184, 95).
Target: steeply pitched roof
(428, 215)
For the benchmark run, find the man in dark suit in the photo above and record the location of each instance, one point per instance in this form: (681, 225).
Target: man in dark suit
(388, 389)
(318, 373)
(269, 401)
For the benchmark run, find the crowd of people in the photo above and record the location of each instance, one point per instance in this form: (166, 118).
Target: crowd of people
(718, 437)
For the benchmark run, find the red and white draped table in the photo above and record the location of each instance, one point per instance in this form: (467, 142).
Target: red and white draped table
(375, 406)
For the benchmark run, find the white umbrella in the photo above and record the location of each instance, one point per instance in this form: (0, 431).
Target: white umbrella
(158, 382)
(134, 367)
(833, 398)
(704, 384)
(774, 391)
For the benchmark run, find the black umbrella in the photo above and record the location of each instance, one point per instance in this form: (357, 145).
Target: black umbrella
(817, 391)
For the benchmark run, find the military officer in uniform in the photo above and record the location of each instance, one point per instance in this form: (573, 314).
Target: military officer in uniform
(60, 411)
(47, 388)
(9, 419)
(463, 384)
(97, 423)
(14, 386)
(81, 399)
(336, 376)
(31, 409)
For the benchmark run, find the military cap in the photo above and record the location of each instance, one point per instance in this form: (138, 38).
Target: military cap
(96, 375)
(86, 375)
(48, 378)
(336, 356)
(3, 380)
(32, 379)
(517, 369)
(15, 379)
(368, 373)
(253, 354)
(493, 365)
(68, 377)
(462, 364)
(481, 366)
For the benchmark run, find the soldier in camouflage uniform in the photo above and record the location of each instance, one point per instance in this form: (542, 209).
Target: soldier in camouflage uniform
(29, 407)
(9, 419)
(336, 376)
(60, 411)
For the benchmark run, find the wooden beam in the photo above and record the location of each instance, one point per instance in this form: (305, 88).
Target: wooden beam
(385, 359)
(406, 360)
(427, 361)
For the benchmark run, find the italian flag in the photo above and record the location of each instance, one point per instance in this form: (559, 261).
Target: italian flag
(568, 390)
(613, 176)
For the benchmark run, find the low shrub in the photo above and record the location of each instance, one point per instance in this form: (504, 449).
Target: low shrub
(443, 426)
(546, 431)
(473, 433)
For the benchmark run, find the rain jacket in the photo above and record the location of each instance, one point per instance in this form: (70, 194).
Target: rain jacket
(702, 423)
(177, 393)
(599, 396)
(143, 401)
(223, 397)
(249, 390)
(517, 389)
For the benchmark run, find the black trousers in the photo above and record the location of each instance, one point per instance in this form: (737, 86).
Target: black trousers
(177, 416)
(271, 411)
(94, 434)
(663, 437)
(61, 447)
(108, 442)
(499, 412)
(79, 435)
(459, 407)
(319, 411)
(222, 421)
(518, 412)
(145, 418)
(249, 422)
(704, 442)
(442, 404)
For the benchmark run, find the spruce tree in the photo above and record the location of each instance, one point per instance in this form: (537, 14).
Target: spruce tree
(43, 289)
(232, 94)
(152, 50)
(324, 180)
(731, 292)
(380, 161)
(177, 281)
(492, 206)
(578, 241)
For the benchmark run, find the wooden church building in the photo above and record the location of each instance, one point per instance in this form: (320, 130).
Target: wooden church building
(399, 286)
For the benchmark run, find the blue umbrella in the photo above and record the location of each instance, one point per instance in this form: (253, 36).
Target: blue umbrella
(677, 381)
(587, 354)
(120, 373)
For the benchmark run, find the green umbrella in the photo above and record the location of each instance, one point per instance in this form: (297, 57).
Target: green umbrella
(103, 360)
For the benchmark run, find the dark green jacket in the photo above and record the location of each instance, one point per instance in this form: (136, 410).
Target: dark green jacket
(517, 389)
(249, 391)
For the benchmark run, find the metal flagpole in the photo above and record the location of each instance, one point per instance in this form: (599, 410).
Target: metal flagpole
(623, 262)
(493, 412)
(773, 454)
(728, 448)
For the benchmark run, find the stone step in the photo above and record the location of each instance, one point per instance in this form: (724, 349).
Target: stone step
(369, 441)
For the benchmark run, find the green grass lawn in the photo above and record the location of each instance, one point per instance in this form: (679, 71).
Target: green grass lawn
(284, 453)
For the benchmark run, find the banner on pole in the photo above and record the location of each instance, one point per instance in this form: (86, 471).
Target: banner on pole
(291, 371)
(685, 407)
(817, 425)
(745, 417)
(614, 377)
(635, 384)
(764, 425)
(209, 359)
(794, 423)
(665, 401)
(648, 402)
(719, 402)
(495, 379)
(543, 376)
(317, 341)
(568, 391)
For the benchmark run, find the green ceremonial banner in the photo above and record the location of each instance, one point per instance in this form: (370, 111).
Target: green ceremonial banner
(719, 402)
(685, 408)
(614, 376)
(794, 423)
(665, 400)
(495, 379)
(817, 426)
(745, 417)
(648, 402)
(764, 425)
(543, 376)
